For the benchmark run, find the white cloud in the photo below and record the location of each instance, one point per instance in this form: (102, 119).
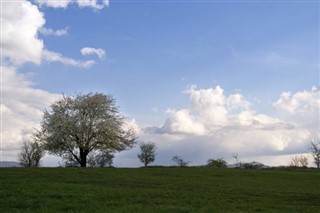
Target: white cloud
(302, 109)
(301, 102)
(209, 104)
(57, 57)
(181, 121)
(91, 51)
(95, 4)
(20, 23)
(54, 3)
(49, 31)
(237, 101)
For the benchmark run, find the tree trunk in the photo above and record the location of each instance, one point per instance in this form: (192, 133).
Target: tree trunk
(83, 158)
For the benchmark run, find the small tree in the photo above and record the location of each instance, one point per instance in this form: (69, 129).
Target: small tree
(297, 161)
(303, 161)
(148, 153)
(179, 161)
(30, 154)
(236, 158)
(315, 151)
(218, 163)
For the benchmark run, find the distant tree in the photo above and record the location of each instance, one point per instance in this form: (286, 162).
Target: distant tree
(179, 161)
(299, 161)
(236, 158)
(251, 165)
(100, 159)
(74, 127)
(295, 162)
(30, 153)
(147, 153)
(315, 151)
(219, 163)
(303, 161)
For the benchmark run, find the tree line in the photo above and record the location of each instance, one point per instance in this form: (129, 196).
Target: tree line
(87, 130)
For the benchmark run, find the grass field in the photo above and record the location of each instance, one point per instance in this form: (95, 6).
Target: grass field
(159, 190)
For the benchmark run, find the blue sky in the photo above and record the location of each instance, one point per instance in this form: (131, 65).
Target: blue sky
(156, 50)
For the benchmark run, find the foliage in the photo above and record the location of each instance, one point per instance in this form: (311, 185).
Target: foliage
(30, 154)
(220, 163)
(158, 190)
(299, 161)
(76, 126)
(148, 152)
(315, 150)
(179, 161)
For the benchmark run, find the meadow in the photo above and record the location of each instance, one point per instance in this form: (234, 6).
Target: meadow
(167, 189)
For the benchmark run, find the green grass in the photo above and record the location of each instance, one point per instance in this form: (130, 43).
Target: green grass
(159, 190)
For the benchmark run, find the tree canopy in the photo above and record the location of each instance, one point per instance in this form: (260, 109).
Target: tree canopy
(148, 152)
(74, 126)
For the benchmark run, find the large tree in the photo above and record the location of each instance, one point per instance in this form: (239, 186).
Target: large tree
(75, 126)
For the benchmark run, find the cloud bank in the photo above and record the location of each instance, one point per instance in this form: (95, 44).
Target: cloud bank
(216, 125)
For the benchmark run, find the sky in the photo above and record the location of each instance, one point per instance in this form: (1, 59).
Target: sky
(201, 79)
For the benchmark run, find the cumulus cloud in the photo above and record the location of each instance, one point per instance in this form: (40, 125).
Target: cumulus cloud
(49, 31)
(301, 108)
(57, 57)
(95, 4)
(93, 51)
(20, 23)
(216, 125)
(301, 102)
(182, 121)
(22, 105)
(21, 109)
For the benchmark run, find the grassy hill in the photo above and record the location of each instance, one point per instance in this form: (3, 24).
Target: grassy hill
(159, 190)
